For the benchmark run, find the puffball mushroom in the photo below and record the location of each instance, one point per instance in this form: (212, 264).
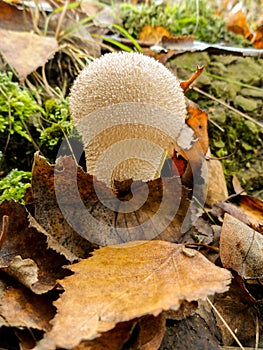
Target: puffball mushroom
(129, 109)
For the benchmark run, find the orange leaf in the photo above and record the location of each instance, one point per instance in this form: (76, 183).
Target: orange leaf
(258, 38)
(185, 85)
(237, 23)
(153, 34)
(197, 120)
(126, 281)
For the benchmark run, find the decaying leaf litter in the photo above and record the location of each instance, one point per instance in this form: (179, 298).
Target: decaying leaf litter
(120, 295)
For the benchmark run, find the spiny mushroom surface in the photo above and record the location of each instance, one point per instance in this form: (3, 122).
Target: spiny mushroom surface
(129, 109)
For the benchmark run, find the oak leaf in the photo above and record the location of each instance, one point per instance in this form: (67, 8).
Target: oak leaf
(122, 282)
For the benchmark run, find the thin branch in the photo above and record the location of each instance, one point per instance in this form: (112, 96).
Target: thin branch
(228, 156)
(225, 324)
(185, 85)
(229, 107)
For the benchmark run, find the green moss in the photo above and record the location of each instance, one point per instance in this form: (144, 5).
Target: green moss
(182, 19)
(14, 185)
(229, 83)
(244, 163)
(246, 104)
(18, 110)
(56, 125)
(27, 126)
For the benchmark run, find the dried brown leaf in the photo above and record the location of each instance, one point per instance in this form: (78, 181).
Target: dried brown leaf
(238, 312)
(112, 340)
(217, 188)
(247, 209)
(122, 282)
(152, 330)
(253, 209)
(258, 37)
(241, 248)
(162, 57)
(237, 23)
(237, 186)
(20, 307)
(13, 18)
(47, 212)
(68, 206)
(154, 34)
(26, 51)
(24, 252)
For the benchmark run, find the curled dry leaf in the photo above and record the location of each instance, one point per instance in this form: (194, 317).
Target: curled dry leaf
(241, 248)
(71, 206)
(245, 208)
(21, 308)
(217, 188)
(152, 330)
(112, 340)
(122, 282)
(237, 23)
(32, 51)
(154, 35)
(24, 251)
(253, 209)
(47, 212)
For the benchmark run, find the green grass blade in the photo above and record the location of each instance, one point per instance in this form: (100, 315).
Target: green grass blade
(128, 36)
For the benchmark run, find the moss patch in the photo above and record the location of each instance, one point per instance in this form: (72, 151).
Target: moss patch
(238, 82)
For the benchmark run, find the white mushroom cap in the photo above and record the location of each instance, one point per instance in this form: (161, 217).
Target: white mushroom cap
(128, 108)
